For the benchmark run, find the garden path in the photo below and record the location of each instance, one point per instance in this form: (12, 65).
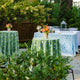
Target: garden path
(76, 68)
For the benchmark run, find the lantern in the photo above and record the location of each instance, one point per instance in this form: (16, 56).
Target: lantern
(63, 25)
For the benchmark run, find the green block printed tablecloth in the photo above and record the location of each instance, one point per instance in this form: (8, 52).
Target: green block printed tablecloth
(9, 42)
(51, 46)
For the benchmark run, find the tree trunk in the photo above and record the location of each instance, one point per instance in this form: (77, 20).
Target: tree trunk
(68, 3)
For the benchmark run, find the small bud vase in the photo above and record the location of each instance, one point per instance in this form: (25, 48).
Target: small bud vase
(8, 29)
(39, 30)
(46, 35)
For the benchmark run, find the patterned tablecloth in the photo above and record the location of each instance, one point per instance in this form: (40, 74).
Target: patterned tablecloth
(68, 42)
(51, 46)
(9, 42)
(77, 32)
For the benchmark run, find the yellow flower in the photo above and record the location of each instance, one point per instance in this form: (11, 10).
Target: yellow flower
(36, 14)
(10, 58)
(27, 8)
(35, 9)
(48, 9)
(24, 12)
(40, 7)
(3, 6)
(8, 25)
(21, 11)
(12, 1)
(7, 78)
(42, 11)
(15, 7)
(31, 7)
(15, 18)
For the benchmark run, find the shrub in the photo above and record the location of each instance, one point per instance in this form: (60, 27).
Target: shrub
(74, 21)
(34, 65)
(21, 10)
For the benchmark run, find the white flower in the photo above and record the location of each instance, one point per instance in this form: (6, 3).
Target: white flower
(38, 27)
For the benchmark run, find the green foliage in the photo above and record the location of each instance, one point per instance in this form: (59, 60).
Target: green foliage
(26, 44)
(3, 59)
(61, 11)
(30, 10)
(34, 65)
(55, 14)
(22, 45)
(39, 12)
(75, 18)
(57, 1)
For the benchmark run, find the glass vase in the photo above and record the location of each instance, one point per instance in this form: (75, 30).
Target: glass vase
(46, 35)
(8, 29)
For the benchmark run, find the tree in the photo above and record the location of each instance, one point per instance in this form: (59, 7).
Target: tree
(19, 10)
(65, 10)
(57, 1)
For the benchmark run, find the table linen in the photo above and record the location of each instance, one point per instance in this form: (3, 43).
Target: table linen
(9, 42)
(68, 42)
(72, 32)
(50, 46)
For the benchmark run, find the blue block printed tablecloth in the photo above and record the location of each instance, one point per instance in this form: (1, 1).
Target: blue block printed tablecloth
(50, 46)
(68, 42)
(9, 42)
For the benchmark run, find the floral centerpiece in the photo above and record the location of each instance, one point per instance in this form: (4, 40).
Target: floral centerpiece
(9, 26)
(45, 30)
(38, 28)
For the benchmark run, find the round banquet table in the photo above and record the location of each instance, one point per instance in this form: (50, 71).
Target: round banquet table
(68, 41)
(9, 42)
(51, 46)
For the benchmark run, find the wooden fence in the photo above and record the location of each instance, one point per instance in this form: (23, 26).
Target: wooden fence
(25, 29)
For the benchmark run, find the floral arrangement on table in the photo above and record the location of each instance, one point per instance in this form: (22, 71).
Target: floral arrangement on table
(38, 28)
(8, 26)
(45, 29)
